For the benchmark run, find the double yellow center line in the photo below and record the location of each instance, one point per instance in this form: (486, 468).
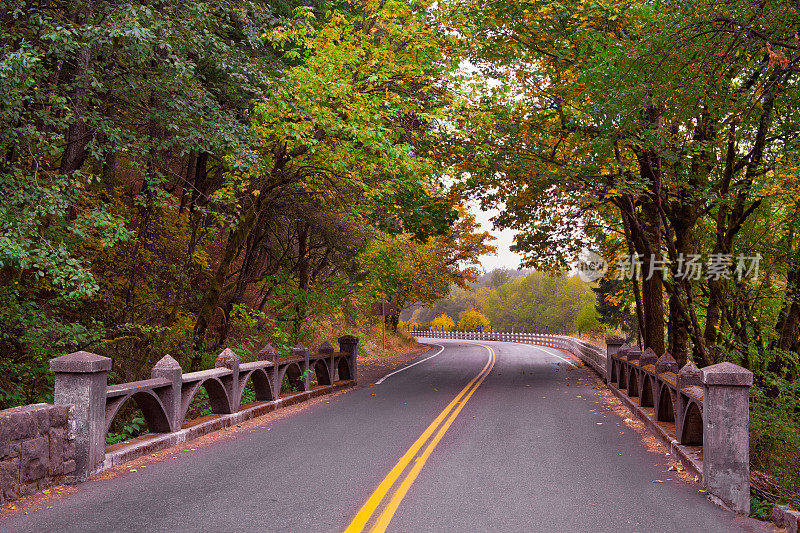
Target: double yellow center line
(439, 426)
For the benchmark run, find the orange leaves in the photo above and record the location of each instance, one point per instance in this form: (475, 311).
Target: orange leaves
(777, 57)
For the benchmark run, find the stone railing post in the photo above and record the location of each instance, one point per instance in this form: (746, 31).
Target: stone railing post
(327, 349)
(301, 351)
(349, 344)
(634, 353)
(169, 369)
(726, 438)
(81, 379)
(613, 345)
(648, 357)
(269, 353)
(666, 363)
(688, 376)
(228, 359)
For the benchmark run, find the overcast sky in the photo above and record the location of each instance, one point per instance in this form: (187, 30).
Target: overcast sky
(504, 258)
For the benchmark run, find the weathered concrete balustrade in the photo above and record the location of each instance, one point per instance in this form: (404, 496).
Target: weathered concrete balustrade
(591, 354)
(165, 398)
(709, 407)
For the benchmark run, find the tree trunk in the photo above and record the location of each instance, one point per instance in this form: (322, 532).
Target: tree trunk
(236, 241)
(78, 134)
(645, 234)
(652, 286)
(242, 281)
(637, 295)
(730, 220)
(789, 326)
(302, 278)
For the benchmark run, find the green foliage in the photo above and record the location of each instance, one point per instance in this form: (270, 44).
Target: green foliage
(200, 406)
(665, 128)
(187, 175)
(28, 339)
(287, 386)
(775, 428)
(760, 508)
(587, 319)
(534, 302)
(405, 272)
(135, 428)
(614, 306)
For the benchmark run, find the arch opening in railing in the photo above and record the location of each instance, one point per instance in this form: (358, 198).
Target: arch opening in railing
(170, 397)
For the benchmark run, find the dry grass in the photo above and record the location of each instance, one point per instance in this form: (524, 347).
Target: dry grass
(370, 332)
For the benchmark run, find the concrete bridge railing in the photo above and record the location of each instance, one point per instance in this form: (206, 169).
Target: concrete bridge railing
(709, 407)
(593, 355)
(81, 380)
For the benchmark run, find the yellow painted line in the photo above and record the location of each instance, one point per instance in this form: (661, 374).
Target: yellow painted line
(387, 514)
(368, 509)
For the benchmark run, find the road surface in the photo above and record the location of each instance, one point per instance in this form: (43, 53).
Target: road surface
(483, 436)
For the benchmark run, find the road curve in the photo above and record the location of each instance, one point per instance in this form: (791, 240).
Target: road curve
(523, 446)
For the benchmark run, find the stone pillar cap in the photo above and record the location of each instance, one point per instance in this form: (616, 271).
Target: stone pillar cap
(649, 357)
(727, 374)
(613, 339)
(80, 363)
(634, 353)
(325, 347)
(227, 359)
(689, 369)
(299, 349)
(167, 362)
(666, 363)
(348, 338)
(267, 352)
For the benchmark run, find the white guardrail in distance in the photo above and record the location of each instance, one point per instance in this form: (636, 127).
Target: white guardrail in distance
(594, 356)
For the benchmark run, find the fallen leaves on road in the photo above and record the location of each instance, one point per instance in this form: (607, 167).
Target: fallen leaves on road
(651, 442)
(657, 481)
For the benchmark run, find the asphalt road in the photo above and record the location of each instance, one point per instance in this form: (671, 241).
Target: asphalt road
(526, 447)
